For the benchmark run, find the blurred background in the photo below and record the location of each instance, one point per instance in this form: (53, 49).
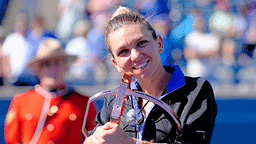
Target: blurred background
(214, 39)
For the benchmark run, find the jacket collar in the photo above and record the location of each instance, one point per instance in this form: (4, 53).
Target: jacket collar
(177, 80)
(48, 94)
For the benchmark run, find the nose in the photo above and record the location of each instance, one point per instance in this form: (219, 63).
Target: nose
(135, 54)
(53, 68)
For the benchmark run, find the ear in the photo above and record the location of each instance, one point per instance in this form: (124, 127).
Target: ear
(160, 43)
(116, 65)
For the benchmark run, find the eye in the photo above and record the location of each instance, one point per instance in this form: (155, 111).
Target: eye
(142, 43)
(46, 64)
(122, 52)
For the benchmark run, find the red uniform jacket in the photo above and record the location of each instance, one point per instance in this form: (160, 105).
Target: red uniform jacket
(61, 127)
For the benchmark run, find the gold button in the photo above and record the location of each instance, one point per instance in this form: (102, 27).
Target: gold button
(37, 86)
(72, 117)
(50, 142)
(10, 117)
(54, 109)
(28, 116)
(50, 127)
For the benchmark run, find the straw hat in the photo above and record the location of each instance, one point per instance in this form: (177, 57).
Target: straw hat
(50, 48)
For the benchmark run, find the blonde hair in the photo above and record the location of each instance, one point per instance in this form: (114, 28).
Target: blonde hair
(121, 10)
(124, 16)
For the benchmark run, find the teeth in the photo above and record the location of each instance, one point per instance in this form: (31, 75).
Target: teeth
(140, 66)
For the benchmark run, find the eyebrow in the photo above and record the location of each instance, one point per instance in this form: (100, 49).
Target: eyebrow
(136, 41)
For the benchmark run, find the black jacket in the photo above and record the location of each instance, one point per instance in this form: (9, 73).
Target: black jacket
(194, 104)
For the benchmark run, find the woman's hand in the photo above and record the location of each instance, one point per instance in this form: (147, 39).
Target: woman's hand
(111, 133)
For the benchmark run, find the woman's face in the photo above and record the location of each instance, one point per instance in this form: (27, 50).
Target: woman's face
(135, 51)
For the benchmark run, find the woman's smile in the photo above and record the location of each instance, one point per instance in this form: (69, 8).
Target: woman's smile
(138, 69)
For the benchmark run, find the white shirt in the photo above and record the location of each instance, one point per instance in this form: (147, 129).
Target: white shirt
(18, 51)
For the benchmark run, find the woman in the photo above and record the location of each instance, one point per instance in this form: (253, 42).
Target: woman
(135, 49)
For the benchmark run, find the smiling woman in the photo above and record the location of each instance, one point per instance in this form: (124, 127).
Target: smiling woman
(135, 50)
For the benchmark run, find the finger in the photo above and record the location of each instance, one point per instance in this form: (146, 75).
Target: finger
(97, 135)
(98, 132)
(108, 126)
(99, 129)
(95, 140)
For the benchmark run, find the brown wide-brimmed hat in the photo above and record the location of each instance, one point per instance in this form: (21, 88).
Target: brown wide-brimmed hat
(50, 48)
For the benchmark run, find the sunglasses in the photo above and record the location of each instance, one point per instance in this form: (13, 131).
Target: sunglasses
(49, 63)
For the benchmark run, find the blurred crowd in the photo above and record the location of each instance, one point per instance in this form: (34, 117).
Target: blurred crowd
(214, 39)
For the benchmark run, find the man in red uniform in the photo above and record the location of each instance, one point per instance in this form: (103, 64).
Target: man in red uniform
(52, 112)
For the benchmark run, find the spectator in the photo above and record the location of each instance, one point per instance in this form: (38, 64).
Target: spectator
(240, 25)
(222, 21)
(162, 25)
(226, 72)
(82, 70)
(17, 53)
(201, 50)
(96, 36)
(52, 112)
(250, 37)
(37, 34)
(96, 40)
(70, 11)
